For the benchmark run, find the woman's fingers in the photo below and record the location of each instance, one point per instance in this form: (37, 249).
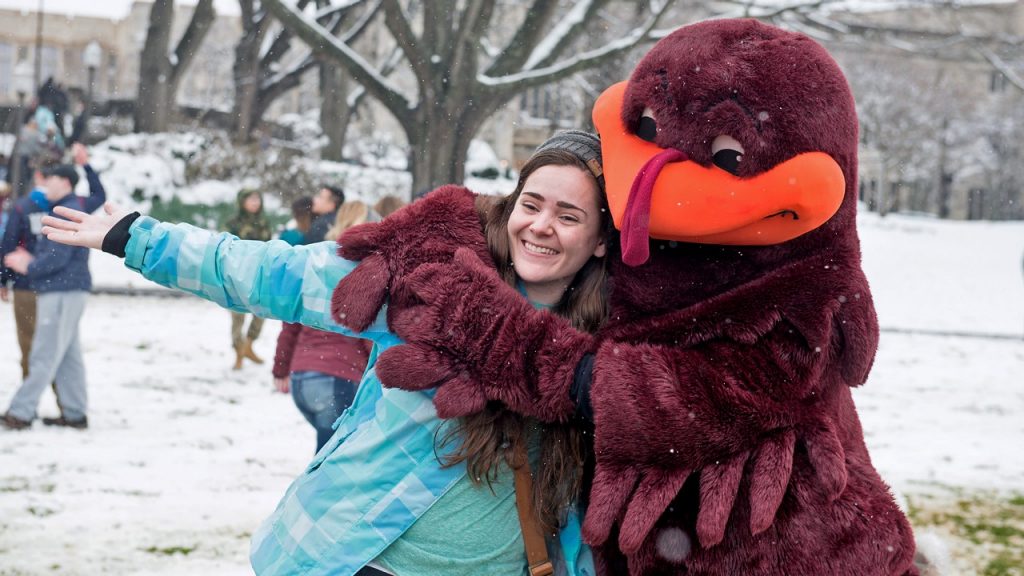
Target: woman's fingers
(59, 224)
(69, 237)
(70, 213)
(111, 208)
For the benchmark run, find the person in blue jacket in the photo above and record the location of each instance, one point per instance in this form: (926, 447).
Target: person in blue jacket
(59, 274)
(383, 496)
(23, 229)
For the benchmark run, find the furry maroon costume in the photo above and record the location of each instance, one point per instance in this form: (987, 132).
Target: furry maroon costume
(726, 439)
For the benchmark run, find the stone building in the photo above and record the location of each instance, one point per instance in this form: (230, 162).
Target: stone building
(64, 38)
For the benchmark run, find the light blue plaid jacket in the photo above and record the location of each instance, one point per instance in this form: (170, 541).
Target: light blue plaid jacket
(380, 470)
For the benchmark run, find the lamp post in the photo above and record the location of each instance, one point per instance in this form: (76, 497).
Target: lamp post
(22, 81)
(91, 57)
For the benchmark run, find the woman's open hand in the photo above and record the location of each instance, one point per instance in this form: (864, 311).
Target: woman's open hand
(76, 228)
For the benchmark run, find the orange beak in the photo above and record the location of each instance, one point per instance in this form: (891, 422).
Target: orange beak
(656, 193)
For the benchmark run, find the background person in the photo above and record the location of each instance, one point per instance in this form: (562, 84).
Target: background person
(388, 204)
(23, 230)
(59, 274)
(322, 369)
(302, 213)
(325, 208)
(248, 224)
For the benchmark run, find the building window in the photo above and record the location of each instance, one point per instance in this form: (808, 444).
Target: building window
(997, 82)
(6, 68)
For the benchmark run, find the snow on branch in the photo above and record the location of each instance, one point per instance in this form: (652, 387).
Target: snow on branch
(534, 77)
(1002, 67)
(545, 49)
(322, 41)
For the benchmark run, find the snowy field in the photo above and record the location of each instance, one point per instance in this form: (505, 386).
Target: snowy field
(185, 457)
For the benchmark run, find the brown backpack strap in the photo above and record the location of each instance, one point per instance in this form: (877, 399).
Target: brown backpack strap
(533, 537)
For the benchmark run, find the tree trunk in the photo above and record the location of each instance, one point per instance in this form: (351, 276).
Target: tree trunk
(945, 180)
(438, 150)
(334, 109)
(247, 82)
(152, 108)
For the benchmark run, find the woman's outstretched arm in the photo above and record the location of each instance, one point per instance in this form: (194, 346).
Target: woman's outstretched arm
(270, 279)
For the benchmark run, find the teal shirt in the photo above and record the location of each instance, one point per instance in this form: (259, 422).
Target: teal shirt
(467, 528)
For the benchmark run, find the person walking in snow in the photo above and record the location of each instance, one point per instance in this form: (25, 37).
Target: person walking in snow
(23, 230)
(249, 224)
(59, 274)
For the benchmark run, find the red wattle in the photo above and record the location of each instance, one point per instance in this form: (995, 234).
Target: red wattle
(637, 218)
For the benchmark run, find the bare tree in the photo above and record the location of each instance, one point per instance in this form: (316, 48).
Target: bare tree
(459, 83)
(160, 71)
(261, 75)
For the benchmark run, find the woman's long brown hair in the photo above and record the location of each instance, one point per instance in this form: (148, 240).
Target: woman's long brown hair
(490, 438)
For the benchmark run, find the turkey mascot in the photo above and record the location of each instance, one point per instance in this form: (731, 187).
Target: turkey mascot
(726, 440)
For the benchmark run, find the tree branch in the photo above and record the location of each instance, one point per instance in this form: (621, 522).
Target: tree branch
(475, 18)
(518, 49)
(398, 25)
(437, 24)
(1001, 66)
(514, 83)
(568, 29)
(323, 42)
(188, 46)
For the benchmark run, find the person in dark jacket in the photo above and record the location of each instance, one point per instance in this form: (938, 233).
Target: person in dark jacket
(249, 224)
(59, 275)
(302, 213)
(325, 209)
(22, 230)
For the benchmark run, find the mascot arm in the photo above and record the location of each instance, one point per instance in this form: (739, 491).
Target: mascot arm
(478, 340)
(430, 229)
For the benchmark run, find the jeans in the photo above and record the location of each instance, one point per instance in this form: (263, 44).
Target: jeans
(321, 398)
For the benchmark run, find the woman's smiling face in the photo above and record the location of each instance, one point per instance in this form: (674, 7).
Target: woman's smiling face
(554, 228)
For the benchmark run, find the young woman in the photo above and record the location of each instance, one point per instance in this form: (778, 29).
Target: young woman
(390, 489)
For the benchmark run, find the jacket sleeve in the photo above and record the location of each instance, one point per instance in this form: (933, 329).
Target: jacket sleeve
(97, 194)
(16, 226)
(285, 349)
(269, 279)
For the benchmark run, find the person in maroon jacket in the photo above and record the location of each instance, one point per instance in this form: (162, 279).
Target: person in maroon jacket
(322, 369)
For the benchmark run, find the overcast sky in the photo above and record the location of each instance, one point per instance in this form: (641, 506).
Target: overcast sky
(107, 8)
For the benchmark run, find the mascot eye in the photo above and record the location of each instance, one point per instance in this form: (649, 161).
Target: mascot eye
(647, 129)
(726, 153)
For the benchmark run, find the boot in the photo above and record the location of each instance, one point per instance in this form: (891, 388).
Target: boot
(248, 353)
(239, 356)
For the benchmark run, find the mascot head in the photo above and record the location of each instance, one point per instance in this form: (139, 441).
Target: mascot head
(731, 133)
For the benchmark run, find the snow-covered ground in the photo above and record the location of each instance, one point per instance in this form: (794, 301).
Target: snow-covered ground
(184, 457)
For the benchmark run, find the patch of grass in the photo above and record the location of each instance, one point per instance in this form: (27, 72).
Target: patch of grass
(13, 484)
(1002, 565)
(985, 530)
(170, 550)
(40, 512)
